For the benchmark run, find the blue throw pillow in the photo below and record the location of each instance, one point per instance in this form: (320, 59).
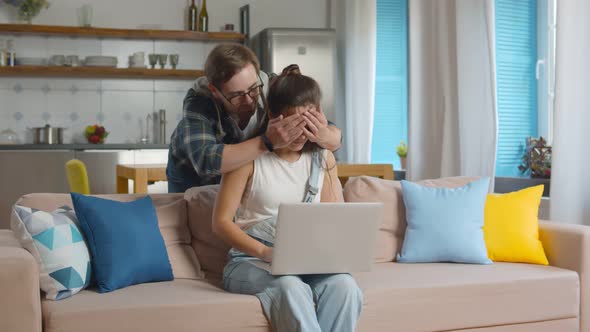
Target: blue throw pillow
(125, 242)
(445, 224)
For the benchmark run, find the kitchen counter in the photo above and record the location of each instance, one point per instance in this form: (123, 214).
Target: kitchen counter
(16, 147)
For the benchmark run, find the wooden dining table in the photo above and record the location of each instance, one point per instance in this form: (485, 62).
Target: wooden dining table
(142, 175)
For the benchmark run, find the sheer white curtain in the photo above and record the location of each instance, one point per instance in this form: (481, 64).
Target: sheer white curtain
(356, 30)
(570, 178)
(452, 108)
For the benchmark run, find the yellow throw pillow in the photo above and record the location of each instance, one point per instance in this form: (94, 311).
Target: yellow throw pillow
(511, 227)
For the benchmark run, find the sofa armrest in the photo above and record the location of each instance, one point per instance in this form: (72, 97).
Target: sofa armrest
(568, 246)
(20, 301)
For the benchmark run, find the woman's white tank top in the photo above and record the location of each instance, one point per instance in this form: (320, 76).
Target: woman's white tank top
(273, 182)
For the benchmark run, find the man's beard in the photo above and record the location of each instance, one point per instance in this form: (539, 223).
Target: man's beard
(245, 112)
(249, 109)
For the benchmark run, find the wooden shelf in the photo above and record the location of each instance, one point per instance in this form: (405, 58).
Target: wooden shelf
(54, 30)
(99, 72)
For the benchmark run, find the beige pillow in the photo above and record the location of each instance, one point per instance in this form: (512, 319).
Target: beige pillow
(211, 251)
(172, 220)
(393, 228)
(173, 223)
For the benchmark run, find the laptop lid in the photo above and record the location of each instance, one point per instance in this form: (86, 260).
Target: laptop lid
(325, 237)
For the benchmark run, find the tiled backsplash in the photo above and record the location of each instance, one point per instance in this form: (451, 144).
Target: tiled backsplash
(120, 105)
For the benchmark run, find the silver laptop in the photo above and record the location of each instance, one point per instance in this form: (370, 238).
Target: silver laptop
(324, 238)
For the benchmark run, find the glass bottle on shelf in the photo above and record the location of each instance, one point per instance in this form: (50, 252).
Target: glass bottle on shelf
(10, 54)
(3, 54)
(204, 18)
(193, 18)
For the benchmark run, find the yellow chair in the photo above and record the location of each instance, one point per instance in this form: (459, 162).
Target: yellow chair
(77, 177)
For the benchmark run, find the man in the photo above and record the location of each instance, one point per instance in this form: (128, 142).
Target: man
(224, 122)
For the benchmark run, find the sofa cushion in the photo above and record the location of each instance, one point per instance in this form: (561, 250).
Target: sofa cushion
(125, 242)
(397, 297)
(179, 305)
(58, 246)
(210, 249)
(446, 296)
(511, 227)
(172, 221)
(393, 226)
(444, 224)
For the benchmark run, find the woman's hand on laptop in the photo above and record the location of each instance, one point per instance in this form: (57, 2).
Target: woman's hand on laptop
(267, 255)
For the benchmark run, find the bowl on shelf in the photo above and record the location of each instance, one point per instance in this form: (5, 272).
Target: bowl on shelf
(8, 136)
(100, 61)
(30, 61)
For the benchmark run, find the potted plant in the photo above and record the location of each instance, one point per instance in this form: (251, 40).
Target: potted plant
(27, 9)
(536, 158)
(402, 152)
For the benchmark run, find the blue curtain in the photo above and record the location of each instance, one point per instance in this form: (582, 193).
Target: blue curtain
(390, 124)
(516, 56)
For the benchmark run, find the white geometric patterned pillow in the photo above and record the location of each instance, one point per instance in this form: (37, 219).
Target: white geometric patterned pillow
(55, 241)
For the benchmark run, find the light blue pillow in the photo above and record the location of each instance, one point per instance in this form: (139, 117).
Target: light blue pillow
(445, 224)
(125, 242)
(55, 241)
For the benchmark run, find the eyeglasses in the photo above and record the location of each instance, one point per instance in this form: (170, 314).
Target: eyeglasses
(238, 97)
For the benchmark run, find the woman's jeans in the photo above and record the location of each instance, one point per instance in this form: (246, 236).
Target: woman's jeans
(315, 302)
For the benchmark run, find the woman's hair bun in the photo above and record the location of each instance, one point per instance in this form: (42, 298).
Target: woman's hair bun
(291, 70)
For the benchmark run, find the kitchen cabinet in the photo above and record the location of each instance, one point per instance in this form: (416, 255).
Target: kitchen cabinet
(37, 171)
(100, 165)
(23, 172)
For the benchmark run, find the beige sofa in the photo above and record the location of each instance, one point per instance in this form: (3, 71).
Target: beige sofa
(398, 297)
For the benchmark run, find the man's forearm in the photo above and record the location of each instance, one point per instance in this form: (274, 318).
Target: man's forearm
(236, 155)
(333, 141)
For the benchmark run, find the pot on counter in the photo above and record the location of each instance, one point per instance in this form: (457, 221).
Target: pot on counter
(48, 135)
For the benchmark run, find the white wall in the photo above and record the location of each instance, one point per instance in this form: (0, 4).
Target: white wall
(122, 105)
(170, 14)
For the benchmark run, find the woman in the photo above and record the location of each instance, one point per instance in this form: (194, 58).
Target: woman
(251, 196)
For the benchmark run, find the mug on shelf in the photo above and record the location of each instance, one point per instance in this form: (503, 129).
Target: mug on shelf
(72, 61)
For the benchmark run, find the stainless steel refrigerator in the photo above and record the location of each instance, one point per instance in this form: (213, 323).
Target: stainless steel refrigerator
(314, 50)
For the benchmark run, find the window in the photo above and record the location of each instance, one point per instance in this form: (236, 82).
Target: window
(390, 124)
(525, 45)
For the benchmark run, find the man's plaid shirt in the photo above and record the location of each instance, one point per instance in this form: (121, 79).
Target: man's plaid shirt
(197, 143)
